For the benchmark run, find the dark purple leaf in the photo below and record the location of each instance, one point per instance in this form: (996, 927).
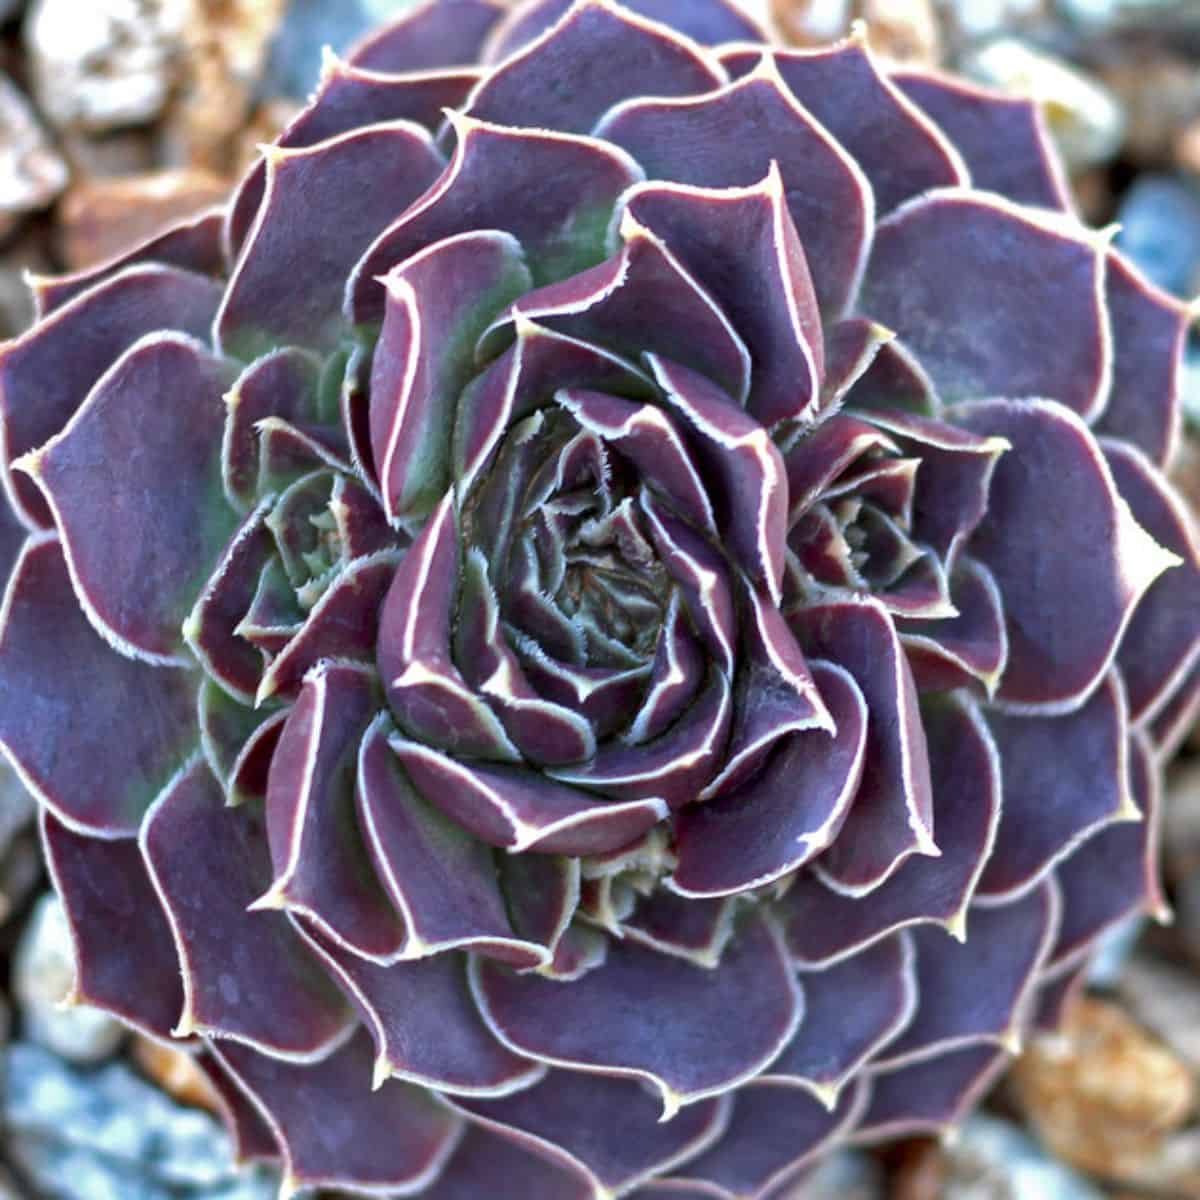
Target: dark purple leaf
(697, 930)
(253, 1140)
(516, 1168)
(435, 33)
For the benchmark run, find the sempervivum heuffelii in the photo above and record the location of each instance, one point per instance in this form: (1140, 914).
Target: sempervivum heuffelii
(628, 576)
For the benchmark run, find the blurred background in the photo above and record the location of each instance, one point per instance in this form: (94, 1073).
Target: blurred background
(117, 116)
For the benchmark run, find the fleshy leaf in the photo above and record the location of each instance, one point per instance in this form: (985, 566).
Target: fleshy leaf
(687, 142)
(1059, 541)
(134, 483)
(334, 1130)
(433, 34)
(246, 976)
(1065, 778)
(253, 1140)
(964, 278)
(596, 1029)
(597, 55)
(124, 957)
(824, 926)
(287, 285)
(46, 373)
(892, 814)
(514, 1167)
(787, 813)
(64, 730)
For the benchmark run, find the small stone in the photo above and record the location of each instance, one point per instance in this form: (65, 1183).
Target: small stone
(43, 977)
(812, 22)
(1102, 1093)
(32, 172)
(1084, 117)
(986, 18)
(110, 1135)
(847, 1175)
(20, 873)
(1167, 1001)
(1160, 231)
(1159, 92)
(311, 25)
(175, 1071)
(102, 217)
(903, 30)
(1187, 147)
(106, 63)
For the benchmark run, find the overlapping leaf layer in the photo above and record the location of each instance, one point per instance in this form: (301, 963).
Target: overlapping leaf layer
(628, 576)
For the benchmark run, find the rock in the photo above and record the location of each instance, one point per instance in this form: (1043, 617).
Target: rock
(1113, 951)
(311, 25)
(32, 172)
(101, 217)
(1160, 93)
(1084, 117)
(43, 977)
(109, 1135)
(811, 22)
(27, 252)
(106, 63)
(20, 873)
(1160, 231)
(848, 1175)
(1166, 1000)
(903, 30)
(175, 1072)
(1102, 1093)
(986, 18)
(1187, 147)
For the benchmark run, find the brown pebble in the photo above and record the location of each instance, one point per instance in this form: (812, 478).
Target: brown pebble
(175, 1072)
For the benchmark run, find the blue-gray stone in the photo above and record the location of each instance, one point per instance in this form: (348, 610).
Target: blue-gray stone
(1015, 1161)
(1160, 231)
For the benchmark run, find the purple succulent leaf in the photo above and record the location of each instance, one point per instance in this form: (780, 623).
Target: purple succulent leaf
(743, 466)
(429, 697)
(921, 593)
(361, 527)
(1065, 778)
(643, 299)
(225, 726)
(341, 625)
(317, 850)
(675, 677)
(47, 372)
(978, 328)
(516, 1168)
(210, 630)
(595, 1028)
(287, 284)
(760, 830)
(134, 559)
(249, 775)
(607, 902)
(438, 304)
(545, 733)
(570, 186)
(1162, 641)
(523, 810)
(1174, 721)
(246, 975)
(1149, 329)
(12, 538)
(702, 577)
(673, 768)
(679, 1189)
(971, 646)
(891, 817)
(652, 441)
(281, 384)
(836, 1039)
(542, 894)
(697, 930)
(851, 346)
(824, 926)
(354, 409)
(608, 1127)
(529, 374)
(775, 693)
(193, 245)
(901, 151)
(709, 22)
(63, 730)
(893, 380)
(742, 246)
(440, 878)
(431, 35)
(334, 1131)
(776, 1130)
(979, 990)
(252, 1138)
(288, 452)
(817, 547)
(597, 55)
(349, 97)
(425, 1026)
(818, 459)
(292, 521)
(124, 957)
(1059, 541)
(952, 484)
(1126, 856)
(579, 950)
(928, 1097)
(1003, 139)
(685, 141)
(1058, 989)
(887, 484)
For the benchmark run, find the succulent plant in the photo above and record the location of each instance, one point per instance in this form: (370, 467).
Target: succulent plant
(613, 623)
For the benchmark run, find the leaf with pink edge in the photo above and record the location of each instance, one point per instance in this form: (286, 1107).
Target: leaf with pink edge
(433, 34)
(515, 1168)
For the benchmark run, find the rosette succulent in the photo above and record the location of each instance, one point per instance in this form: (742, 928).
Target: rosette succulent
(612, 623)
